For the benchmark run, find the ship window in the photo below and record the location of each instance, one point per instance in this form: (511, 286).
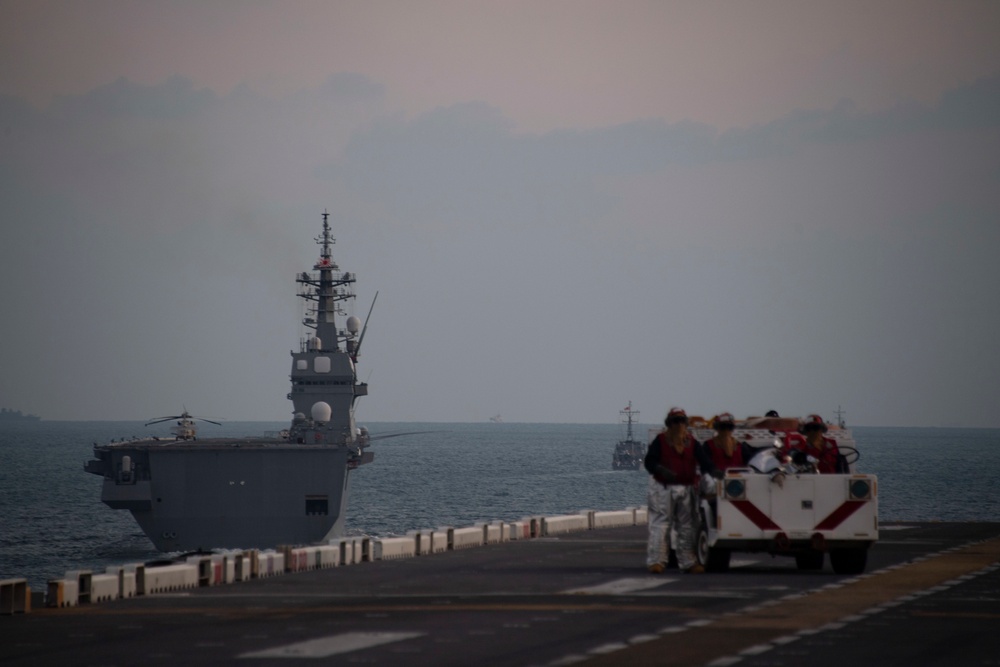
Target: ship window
(322, 365)
(301, 365)
(317, 505)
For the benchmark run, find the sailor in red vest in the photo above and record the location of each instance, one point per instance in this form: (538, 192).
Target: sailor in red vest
(673, 459)
(724, 450)
(816, 445)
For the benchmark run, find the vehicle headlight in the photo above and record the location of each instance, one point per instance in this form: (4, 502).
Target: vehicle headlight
(860, 489)
(736, 489)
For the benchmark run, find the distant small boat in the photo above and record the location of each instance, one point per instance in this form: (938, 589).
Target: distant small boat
(496, 419)
(16, 416)
(629, 453)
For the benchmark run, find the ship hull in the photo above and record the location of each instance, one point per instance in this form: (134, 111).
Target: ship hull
(203, 496)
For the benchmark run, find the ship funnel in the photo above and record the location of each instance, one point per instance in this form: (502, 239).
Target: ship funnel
(321, 411)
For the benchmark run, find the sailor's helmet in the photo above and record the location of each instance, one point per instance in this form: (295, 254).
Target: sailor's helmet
(814, 421)
(675, 415)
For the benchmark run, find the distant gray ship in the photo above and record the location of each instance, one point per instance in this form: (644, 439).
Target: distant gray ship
(190, 493)
(629, 453)
(7, 415)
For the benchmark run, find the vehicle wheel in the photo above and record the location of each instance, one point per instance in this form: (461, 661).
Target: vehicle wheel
(810, 560)
(849, 561)
(712, 559)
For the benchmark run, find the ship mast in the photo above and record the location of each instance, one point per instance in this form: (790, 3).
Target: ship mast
(326, 289)
(629, 416)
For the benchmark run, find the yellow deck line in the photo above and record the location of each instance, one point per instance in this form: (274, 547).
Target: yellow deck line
(728, 635)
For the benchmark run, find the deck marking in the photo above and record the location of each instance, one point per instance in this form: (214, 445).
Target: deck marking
(725, 661)
(620, 586)
(332, 645)
(757, 650)
(607, 648)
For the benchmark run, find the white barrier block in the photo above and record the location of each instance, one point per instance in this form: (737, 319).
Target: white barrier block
(82, 578)
(138, 573)
(346, 548)
(15, 596)
(422, 540)
(504, 531)
(534, 525)
(204, 566)
(277, 564)
(557, 525)
(242, 565)
(464, 538)
(329, 555)
(223, 569)
(104, 587)
(439, 540)
(127, 587)
(389, 548)
(167, 578)
(126, 580)
(297, 559)
(355, 548)
(272, 563)
(613, 519)
(493, 533)
(519, 530)
(641, 516)
(62, 593)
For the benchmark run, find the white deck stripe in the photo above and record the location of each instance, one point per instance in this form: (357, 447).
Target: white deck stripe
(327, 646)
(621, 586)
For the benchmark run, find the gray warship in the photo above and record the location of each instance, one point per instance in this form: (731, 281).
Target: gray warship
(190, 493)
(629, 453)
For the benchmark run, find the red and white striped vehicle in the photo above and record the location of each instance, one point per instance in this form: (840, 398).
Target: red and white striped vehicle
(783, 508)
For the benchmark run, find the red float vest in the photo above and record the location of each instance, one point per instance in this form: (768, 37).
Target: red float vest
(682, 464)
(719, 458)
(826, 454)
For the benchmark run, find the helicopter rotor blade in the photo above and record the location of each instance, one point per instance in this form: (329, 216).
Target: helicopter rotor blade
(383, 436)
(158, 420)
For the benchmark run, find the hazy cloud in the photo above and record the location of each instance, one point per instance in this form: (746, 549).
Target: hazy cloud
(151, 234)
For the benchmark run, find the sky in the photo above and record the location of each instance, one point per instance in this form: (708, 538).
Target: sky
(563, 206)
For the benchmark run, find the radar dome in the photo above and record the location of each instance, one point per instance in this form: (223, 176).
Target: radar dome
(315, 344)
(321, 411)
(353, 324)
(299, 417)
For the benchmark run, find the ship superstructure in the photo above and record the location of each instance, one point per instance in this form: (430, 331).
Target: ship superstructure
(193, 493)
(629, 452)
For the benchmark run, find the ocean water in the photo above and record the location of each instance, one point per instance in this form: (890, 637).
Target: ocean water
(52, 520)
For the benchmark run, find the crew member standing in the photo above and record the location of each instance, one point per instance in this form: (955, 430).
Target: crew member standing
(672, 459)
(818, 446)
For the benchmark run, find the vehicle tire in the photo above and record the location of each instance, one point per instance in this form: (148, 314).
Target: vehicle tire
(848, 561)
(810, 560)
(712, 559)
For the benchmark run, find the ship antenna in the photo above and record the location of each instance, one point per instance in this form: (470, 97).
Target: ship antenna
(361, 338)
